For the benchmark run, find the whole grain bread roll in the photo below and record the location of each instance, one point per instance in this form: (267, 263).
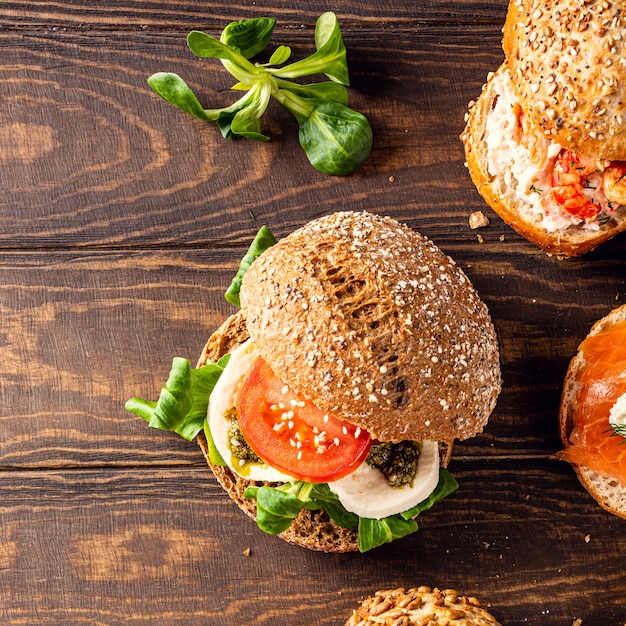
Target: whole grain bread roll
(311, 529)
(608, 492)
(567, 59)
(421, 606)
(373, 323)
(500, 192)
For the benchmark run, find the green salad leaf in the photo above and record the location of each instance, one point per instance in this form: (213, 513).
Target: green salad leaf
(263, 240)
(336, 139)
(277, 507)
(183, 402)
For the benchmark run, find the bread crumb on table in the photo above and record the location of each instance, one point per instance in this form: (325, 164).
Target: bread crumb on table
(478, 219)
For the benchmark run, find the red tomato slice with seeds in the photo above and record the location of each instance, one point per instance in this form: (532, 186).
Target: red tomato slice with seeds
(291, 434)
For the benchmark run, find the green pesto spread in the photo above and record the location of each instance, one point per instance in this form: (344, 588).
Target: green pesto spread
(397, 461)
(237, 442)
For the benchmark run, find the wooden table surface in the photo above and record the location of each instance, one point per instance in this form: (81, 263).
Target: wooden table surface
(123, 221)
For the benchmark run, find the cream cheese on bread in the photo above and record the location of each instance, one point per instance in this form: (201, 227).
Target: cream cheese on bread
(509, 157)
(617, 414)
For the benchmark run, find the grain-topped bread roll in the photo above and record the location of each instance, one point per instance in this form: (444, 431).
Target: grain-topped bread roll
(545, 142)
(360, 353)
(421, 606)
(372, 322)
(592, 416)
(567, 63)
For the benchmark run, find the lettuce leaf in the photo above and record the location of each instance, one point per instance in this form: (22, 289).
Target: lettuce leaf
(277, 507)
(183, 402)
(263, 240)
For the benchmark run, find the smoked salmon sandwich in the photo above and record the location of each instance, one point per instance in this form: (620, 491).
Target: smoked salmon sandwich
(545, 143)
(593, 412)
(328, 404)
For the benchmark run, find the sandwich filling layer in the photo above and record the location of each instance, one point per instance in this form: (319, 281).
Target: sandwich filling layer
(553, 186)
(364, 491)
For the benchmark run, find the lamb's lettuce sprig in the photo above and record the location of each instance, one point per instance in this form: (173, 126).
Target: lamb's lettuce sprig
(263, 240)
(336, 139)
(183, 402)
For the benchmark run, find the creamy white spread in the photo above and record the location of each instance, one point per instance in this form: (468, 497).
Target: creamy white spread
(529, 174)
(617, 414)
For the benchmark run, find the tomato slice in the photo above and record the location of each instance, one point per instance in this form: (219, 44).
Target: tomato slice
(291, 434)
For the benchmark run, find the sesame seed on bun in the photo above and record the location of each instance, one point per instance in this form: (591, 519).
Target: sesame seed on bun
(374, 324)
(568, 63)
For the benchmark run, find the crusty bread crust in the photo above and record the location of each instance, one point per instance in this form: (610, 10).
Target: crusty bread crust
(377, 326)
(421, 606)
(572, 241)
(311, 529)
(608, 492)
(566, 58)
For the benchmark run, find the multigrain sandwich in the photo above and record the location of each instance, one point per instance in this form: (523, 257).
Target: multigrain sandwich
(360, 353)
(593, 412)
(545, 142)
(421, 606)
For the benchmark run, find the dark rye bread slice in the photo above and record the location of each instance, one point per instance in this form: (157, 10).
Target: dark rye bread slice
(311, 529)
(609, 493)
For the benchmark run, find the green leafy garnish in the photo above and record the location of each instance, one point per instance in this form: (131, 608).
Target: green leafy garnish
(336, 139)
(183, 402)
(277, 507)
(263, 240)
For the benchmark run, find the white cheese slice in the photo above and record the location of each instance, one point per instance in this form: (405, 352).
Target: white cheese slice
(224, 397)
(367, 493)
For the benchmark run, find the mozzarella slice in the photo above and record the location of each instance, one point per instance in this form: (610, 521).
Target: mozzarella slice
(224, 397)
(367, 493)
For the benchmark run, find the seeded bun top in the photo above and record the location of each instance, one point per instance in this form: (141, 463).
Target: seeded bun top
(421, 606)
(568, 62)
(375, 325)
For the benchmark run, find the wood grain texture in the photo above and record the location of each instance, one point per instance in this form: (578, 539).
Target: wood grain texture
(123, 221)
(115, 547)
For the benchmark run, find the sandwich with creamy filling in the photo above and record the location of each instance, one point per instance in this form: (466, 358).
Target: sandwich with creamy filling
(333, 396)
(545, 142)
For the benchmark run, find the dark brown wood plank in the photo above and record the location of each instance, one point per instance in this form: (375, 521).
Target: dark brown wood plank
(120, 547)
(162, 14)
(84, 331)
